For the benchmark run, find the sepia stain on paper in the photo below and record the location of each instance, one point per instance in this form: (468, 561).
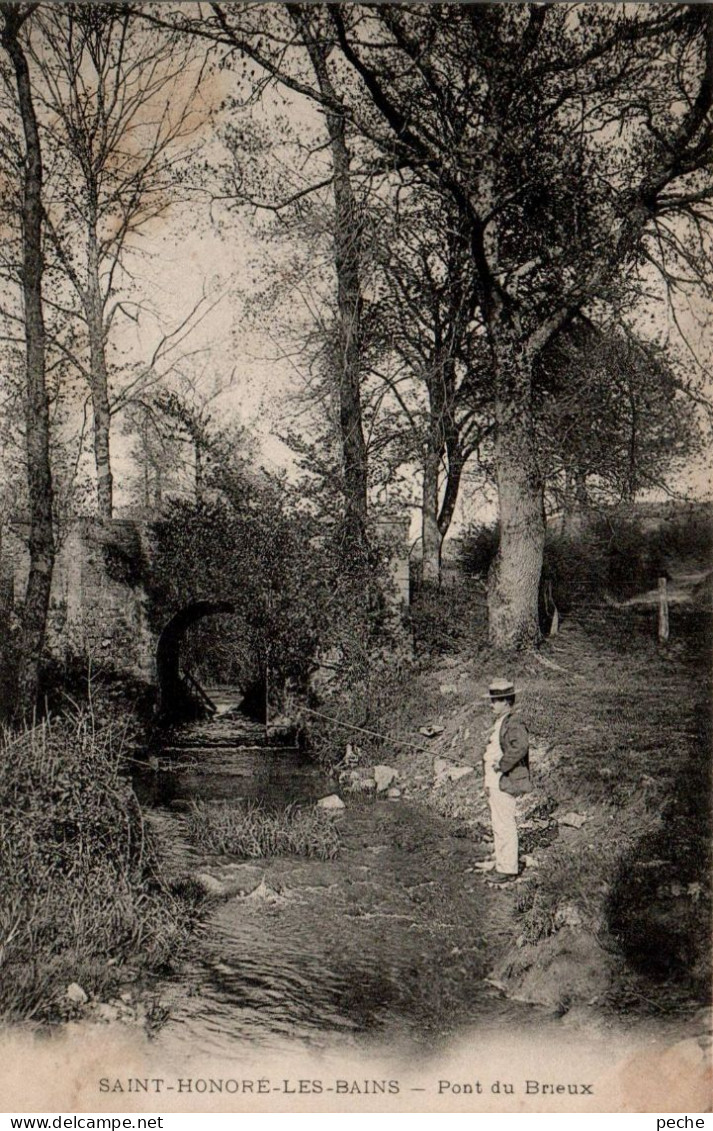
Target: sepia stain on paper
(85, 1071)
(675, 1079)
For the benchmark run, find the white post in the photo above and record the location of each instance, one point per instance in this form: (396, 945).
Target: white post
(663, 610)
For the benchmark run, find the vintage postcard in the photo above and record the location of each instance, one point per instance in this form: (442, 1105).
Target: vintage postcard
(356, 580)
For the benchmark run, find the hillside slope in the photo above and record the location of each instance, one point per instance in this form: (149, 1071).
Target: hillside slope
(614, 905)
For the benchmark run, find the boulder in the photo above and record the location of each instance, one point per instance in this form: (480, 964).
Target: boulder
(384, 776)
(572, 820)
(76, 994)
(333, 801)
(431, 731)
(449, 771)
(393, 794)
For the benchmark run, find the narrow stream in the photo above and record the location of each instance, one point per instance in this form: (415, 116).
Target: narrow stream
(388, 940)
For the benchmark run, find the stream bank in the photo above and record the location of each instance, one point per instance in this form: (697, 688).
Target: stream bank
(611, 917)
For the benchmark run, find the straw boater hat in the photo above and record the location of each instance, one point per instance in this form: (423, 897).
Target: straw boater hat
(500, 689)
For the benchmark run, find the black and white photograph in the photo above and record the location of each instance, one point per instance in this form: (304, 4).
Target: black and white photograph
(356, 556)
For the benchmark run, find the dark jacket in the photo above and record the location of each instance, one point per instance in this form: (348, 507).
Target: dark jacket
(514, 764)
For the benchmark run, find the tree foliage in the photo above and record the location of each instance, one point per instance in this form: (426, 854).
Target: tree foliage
(294, 593)
(119, 113)
(575, 140)
(490, 199)
(613, 417)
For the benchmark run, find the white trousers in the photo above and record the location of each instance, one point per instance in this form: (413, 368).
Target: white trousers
(502, 815)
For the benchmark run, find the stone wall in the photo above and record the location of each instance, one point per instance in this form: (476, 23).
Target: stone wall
(394, 532)
(97, 602)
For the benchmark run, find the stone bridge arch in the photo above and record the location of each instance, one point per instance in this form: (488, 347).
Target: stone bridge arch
(100, 608)
(176, 697)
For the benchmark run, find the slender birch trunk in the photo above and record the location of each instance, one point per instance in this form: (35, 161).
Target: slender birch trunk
(99, 376)
(37, 426)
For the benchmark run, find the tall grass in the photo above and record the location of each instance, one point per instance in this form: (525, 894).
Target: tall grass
(80, 890)
(252, 830)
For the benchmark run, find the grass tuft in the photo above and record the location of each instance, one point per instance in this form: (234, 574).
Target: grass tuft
(253, 830)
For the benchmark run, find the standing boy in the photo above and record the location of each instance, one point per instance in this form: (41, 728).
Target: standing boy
(506, 774)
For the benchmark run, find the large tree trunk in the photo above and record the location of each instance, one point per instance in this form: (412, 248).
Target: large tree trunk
(513, 584)
(39, 476)
(347, 260)
(436, 520)
(431, 538)
(94, 310)
(347, 252)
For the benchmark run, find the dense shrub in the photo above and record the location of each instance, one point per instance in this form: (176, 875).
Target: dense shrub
(445, 619)
(72, 681)
(687, 536)
(619, 553)
(478, 548)
(293, 589)
(366, 709)
(80, 883)
(661, 916)
(576, 567)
